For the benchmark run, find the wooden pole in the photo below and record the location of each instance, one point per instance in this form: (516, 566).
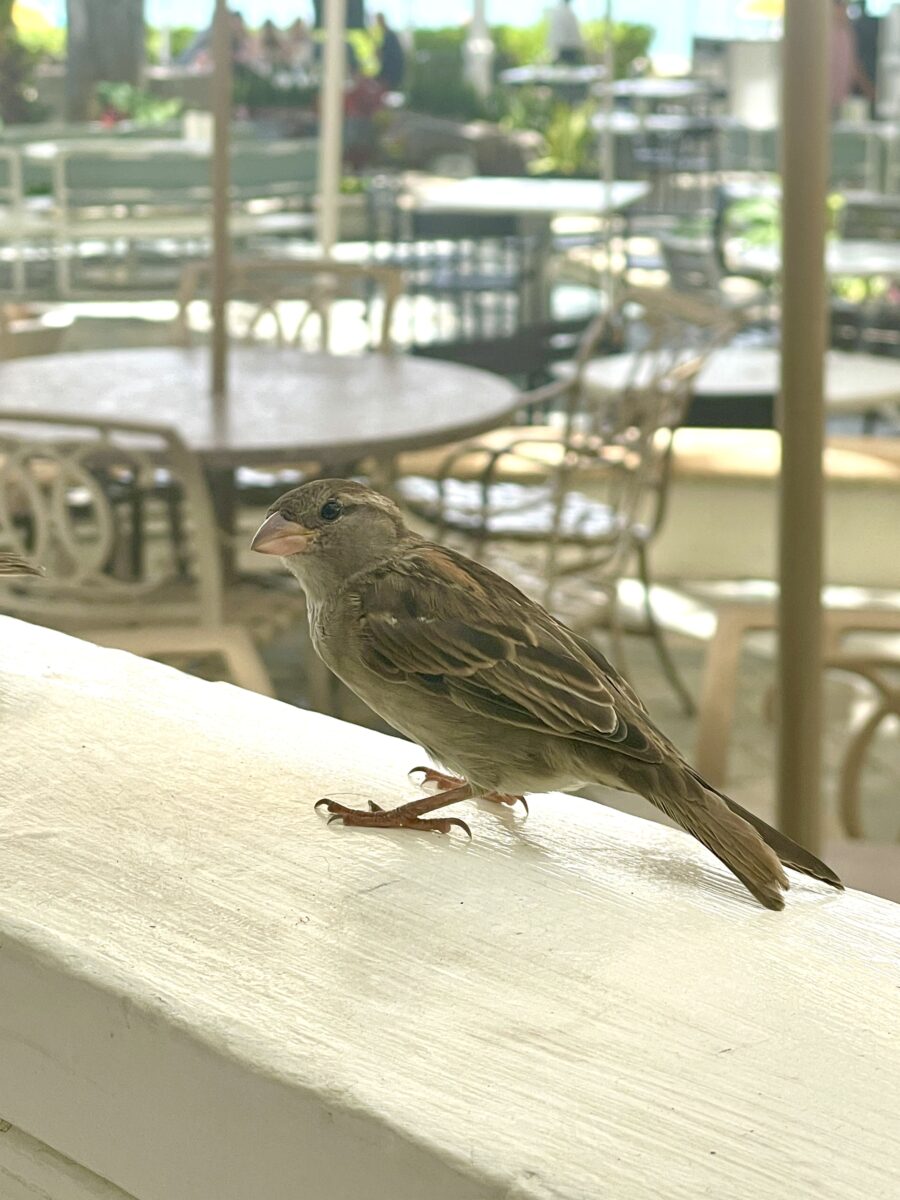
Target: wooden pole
(331, 127)
(221, 178)
(608, 155)
(805, 58)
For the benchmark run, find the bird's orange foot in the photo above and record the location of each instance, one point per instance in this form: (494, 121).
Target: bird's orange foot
(444, 783)
(404, 817)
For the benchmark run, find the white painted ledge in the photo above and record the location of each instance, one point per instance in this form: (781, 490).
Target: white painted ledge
(206, 993)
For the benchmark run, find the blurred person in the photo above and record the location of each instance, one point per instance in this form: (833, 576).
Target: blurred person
(391, 56)
(564, 40)
(363, 99)
(199, 51)
(847, 72)
(866, 27)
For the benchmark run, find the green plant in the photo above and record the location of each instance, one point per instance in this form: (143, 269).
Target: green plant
(180, 37)
(254, 91)
(570, 143)
(18, 98)
(517, 45)
(630, 43)
(123, 101)
(44, 42)
(756, 221)
(436, 82)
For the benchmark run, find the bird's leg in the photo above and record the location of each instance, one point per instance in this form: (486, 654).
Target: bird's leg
(445, 782)
(406, 816)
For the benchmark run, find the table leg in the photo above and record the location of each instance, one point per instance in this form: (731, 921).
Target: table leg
(222, 485)
(537, 292)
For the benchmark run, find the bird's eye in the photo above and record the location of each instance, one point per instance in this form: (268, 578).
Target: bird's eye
(331, 510)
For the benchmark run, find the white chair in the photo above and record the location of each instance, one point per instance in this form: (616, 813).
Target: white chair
(265, 286)
(590, 492)
(20, 225)
(133, 193)
(120, 518)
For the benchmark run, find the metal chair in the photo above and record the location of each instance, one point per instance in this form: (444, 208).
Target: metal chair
(120, 518)
(152, 198)
(694, 269)
(266, 290)
(264, 287)
(674, 145)
(478, 272)
(589, 491)
(871, 216)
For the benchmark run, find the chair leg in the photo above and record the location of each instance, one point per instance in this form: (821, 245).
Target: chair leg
(231, 642)
(18, 270)
(851, 770)
(657, 635)
(244, 661)
(717, 696)
(617, 632)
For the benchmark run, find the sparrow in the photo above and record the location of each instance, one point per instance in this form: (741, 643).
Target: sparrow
(498, 691)
(12, 564)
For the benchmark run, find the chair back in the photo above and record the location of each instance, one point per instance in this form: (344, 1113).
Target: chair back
(169, 175)
(871, 216)
(268, 289)
(284, 171)
(386, 217)
(627, 438)
(117, 514)
(855, 157)
(10, 177)
(691, 263)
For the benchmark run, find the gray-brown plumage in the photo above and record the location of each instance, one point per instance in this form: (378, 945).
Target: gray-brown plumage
(488, 682)
(12, 564)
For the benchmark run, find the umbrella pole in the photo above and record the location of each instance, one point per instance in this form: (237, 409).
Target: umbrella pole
(805, 58)
(221, 248)
(608, 156)
(331, 128)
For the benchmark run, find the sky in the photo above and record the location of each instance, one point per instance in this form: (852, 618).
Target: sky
(674, 20)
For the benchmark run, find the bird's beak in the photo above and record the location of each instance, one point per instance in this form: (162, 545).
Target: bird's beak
(277, 535)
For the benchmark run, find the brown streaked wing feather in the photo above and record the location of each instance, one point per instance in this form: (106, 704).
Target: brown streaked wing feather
(436, 618)
(12, 564)
(613, 678)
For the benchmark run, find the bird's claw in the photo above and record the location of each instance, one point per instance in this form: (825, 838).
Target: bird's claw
(381, 818)
(512, 801)
(445, 782)
(442, 781)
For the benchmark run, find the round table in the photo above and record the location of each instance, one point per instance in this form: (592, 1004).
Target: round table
(658, 91)
(843, 258)
(554, 74)
(283, 404)
(738, 384)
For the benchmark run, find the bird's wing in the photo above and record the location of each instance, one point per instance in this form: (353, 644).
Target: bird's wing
(439, 621)
(12, 564)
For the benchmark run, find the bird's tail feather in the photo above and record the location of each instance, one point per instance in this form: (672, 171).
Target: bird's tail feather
(732, 839)
(788, 851)
(749, 847)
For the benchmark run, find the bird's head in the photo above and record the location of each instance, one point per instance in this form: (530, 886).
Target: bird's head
(329, 529)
